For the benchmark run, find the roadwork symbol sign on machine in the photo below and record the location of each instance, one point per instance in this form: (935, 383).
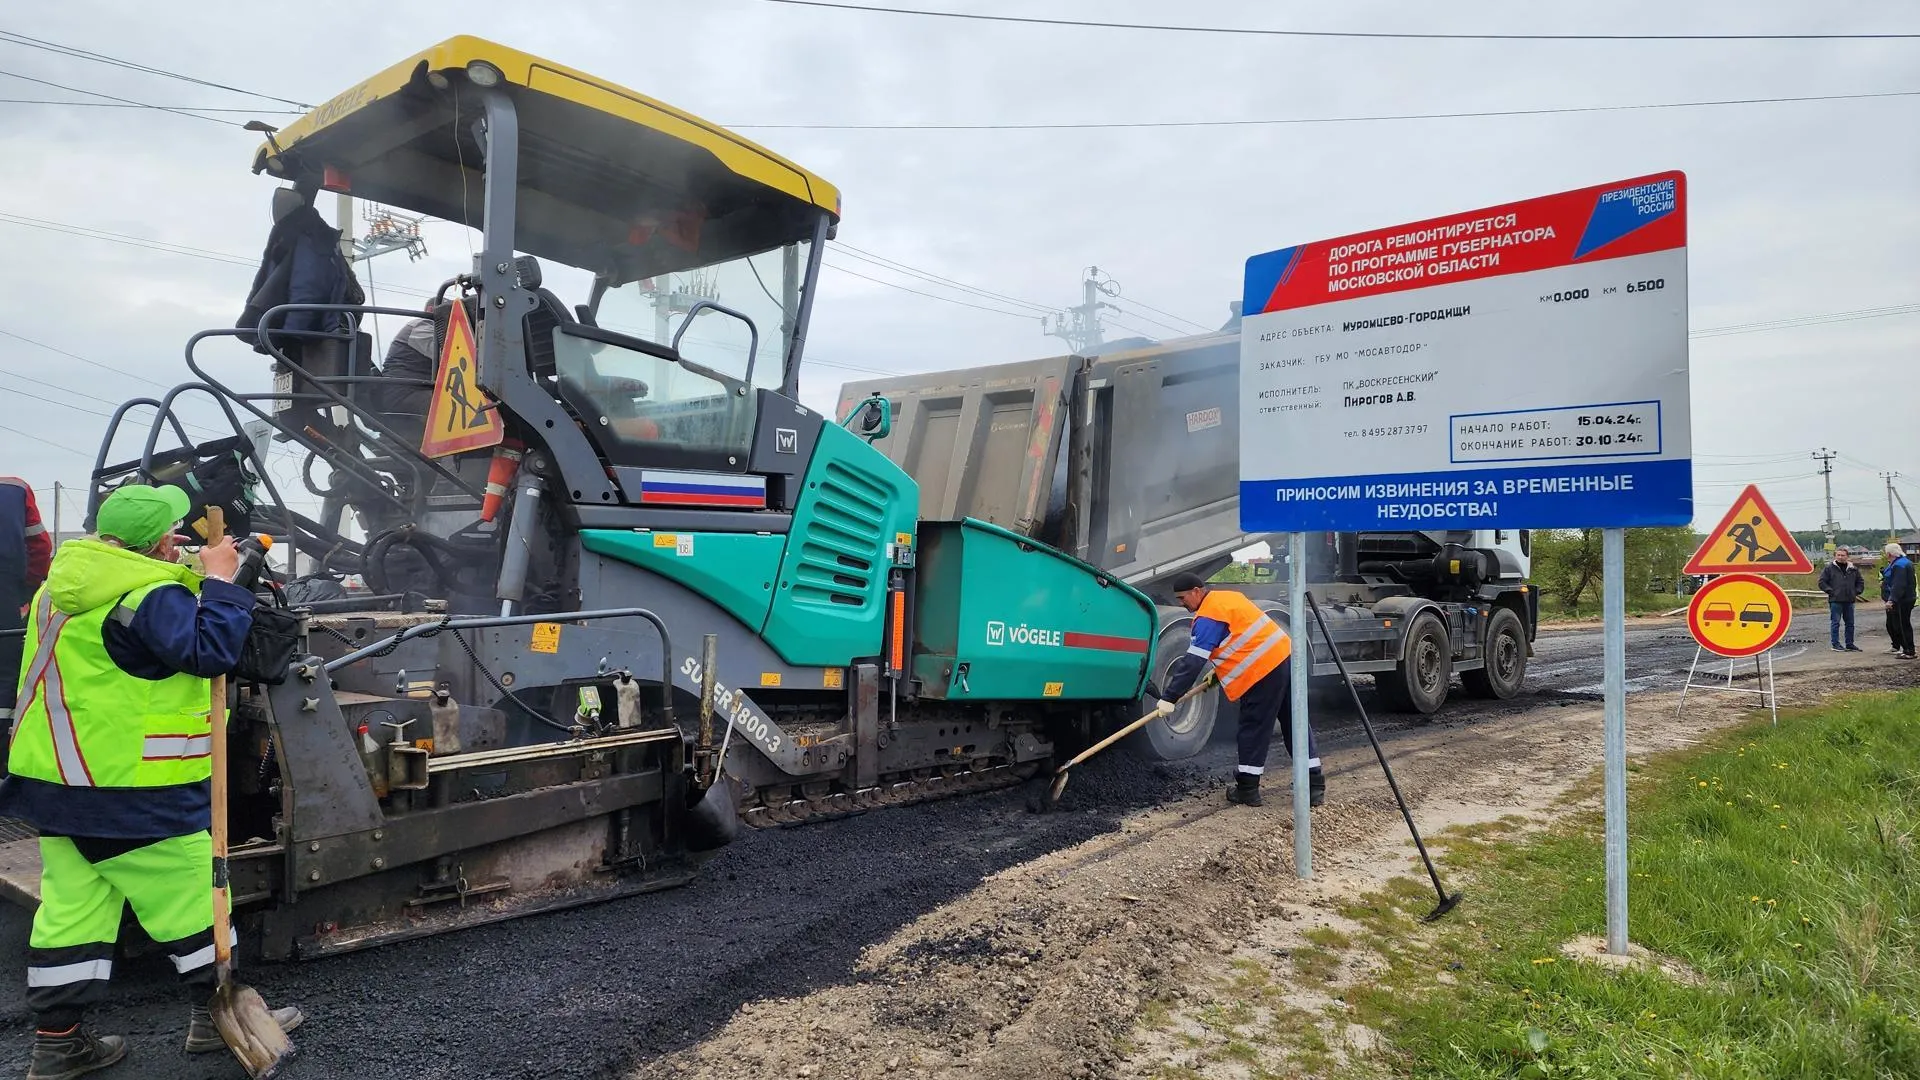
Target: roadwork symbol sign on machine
(460, 417)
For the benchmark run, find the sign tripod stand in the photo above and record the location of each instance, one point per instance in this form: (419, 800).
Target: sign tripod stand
(1762, 670)
(1740, 613)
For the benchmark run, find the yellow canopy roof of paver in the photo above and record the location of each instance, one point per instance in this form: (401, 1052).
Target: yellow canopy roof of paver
(608, 179)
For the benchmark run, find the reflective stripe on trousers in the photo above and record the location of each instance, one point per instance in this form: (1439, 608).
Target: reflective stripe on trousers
(201, 957)
(67, 974)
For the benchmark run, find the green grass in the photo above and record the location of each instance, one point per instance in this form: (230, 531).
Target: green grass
(1780, 865)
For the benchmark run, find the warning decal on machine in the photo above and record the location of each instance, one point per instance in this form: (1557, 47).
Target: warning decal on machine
(460, 416)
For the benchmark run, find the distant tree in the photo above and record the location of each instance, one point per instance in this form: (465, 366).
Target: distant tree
(1568, 563)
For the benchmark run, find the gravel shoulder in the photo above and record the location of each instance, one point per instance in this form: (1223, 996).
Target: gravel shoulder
(1049, 966)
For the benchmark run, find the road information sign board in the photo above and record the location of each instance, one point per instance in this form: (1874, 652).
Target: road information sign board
(459, 416)
(1739, 615)
(1520, 366)
(1750, 539)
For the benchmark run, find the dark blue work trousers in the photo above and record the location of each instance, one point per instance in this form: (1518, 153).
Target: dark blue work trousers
(1266, 701)
(1837, 614)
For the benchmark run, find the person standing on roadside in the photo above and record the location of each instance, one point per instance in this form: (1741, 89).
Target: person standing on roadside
(1844, 586)
(109, 760)
(1896, 588)
(25, 551)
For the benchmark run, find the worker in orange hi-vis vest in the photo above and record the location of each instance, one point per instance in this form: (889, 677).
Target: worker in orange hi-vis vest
(1252, 660)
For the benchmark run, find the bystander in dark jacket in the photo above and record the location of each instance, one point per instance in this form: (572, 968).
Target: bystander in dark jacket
(1844, 586)
(1897, 590)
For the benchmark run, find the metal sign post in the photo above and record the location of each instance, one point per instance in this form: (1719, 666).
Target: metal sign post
(1522, 366)
(1613, 593)
(1297, 620)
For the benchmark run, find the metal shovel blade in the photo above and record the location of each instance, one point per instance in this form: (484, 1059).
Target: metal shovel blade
(250, 1031)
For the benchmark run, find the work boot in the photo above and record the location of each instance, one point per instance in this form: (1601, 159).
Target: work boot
(74, 1052)
(1316, 787)
(203, 1036)
(1245, 791)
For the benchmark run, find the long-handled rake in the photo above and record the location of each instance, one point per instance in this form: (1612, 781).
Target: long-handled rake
(1447, 902)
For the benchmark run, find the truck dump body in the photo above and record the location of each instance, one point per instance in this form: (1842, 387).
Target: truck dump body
(1129, 462)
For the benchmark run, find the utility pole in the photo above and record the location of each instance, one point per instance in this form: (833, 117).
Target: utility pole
(1825, 457)
(56, 512)
(1080, 326)
(1893, 531)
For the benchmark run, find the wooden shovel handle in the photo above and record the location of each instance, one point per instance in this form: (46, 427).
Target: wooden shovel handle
(217, 715)
(1205, 683)
(222, 919)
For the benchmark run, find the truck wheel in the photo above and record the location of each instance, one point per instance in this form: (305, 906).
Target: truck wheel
(1186, 732)
(1506, 659)
(1419, 683)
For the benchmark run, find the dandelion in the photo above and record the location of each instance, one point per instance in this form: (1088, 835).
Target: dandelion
(1776, 806)
(1703, 783)
(1771, 903)
(1753, 899)
(1542, 960)
(1783, 824)
(1796, 945)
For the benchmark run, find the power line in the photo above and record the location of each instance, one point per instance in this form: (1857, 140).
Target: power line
(927, 275)
(57, 386)
(1129, 300)
(1144, 317)
(122, 238)
(84, 360)
(1807, 320)
(17, 392)
(1357, 119)
(1393, 35)
(144, 105)
(928, 295)
(124, 101)
(44, 441)
(162, 246)
(11, 37)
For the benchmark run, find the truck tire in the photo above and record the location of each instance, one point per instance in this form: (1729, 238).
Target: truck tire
(1419, 683)
(1506, 659)
(1186, 732)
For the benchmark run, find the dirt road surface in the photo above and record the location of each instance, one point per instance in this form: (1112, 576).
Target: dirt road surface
(962, 938)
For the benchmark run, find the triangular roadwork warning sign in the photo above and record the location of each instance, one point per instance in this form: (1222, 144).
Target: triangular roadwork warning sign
(1750, 539)
(461, 416)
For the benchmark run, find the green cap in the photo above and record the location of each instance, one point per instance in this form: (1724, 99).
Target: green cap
(139, 516)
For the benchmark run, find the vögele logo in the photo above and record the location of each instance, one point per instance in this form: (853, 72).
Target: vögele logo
(999, 633)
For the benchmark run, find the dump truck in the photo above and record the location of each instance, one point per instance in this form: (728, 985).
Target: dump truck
(1129, 461)
(545, 627)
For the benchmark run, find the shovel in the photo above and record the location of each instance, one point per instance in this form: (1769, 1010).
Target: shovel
(246, 1025)
(1051, 799)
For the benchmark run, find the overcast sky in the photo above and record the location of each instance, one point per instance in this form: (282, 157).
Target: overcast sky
(1798, 209)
